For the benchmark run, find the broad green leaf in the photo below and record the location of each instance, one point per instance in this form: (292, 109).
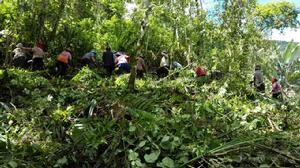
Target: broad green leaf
(1, 74)
(264, 166)
(295, 55)
(139, 163)
(132, 128)
(165, 139)
(61, 162)
(13, 164)
(133, 155)
(142, 143)
(151, 158)
(168, 162)
(288, 52)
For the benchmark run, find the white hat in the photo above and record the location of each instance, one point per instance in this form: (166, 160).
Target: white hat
(20, 45)
(164, 53)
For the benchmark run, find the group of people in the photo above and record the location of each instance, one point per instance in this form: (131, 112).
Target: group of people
(112, 61)
(119, 61)
(259, 84)
(20, 59)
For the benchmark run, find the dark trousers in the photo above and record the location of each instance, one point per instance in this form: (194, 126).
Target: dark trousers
(20, 62)
(123, 68)
(37, 64)
(109, 69)
(261, 88)
(276, 95)
(139, 73)
(163, 72)
(88, 62)
(61, 68)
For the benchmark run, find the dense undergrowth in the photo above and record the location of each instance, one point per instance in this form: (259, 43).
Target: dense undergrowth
(90, 121)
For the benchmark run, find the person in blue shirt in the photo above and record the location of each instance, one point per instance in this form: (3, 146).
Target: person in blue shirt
(89, 59)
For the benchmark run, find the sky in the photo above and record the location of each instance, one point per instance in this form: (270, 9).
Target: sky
(288, 34)
(297, 2)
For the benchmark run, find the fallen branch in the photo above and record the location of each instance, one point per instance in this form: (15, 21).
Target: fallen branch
(232, 150)
(164, 78)
(223, 148)
(279, 152)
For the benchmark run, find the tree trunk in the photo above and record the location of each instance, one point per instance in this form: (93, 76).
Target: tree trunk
(42, 18)
(131, 83)
(56, 22)
(188, 39)
(199, 6)
(7, 49)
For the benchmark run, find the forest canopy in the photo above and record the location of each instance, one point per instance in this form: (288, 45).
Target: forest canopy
(214, 91)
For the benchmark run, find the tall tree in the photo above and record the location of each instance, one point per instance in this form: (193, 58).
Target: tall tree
(277, 15)
(140, 44)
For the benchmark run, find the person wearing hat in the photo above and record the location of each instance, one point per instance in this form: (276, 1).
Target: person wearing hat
(177, 65)
(40, 44)
(140, 67)
(108, 61)
(19, 59)
(258, 80)
(89, 59)
(163, 70)
(200, 71)
(63, 61)
(276, 88)
(37, 58)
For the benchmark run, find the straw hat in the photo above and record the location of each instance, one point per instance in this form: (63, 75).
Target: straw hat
(19, 45)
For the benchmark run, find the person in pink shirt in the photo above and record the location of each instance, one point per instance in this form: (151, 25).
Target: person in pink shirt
(276, 88)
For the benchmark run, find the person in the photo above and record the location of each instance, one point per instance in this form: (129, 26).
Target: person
(216, 75)
(276, 88)
(108, 61)
(258, 79)
(163, 70)
(200, 71)
(177, 65)
(63, 61)
(19, 59)
(122, 63)
(40, 44)
(140, 67)
(37, 58)
(89, 59)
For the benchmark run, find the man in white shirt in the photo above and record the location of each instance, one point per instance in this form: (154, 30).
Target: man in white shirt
(163, 70)
(19, 60)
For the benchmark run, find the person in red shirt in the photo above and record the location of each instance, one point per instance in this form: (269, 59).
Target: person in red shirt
(200, 71)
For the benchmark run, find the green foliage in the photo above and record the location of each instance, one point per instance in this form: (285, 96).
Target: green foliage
(1, 74)
(277, 15)
(178, 121)
(85, 75)
(166, 124)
